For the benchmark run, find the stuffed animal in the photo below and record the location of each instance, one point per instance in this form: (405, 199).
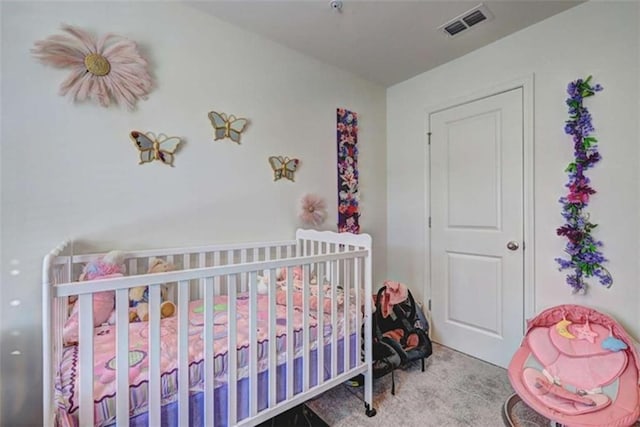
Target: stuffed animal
(281, 276)
(281, 279)
(139, 296)
(107, 266)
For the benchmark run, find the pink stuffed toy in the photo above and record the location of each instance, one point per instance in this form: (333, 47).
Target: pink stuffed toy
(394, 293)
(108, 266)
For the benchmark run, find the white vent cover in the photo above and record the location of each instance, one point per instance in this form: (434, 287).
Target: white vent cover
(466, 20)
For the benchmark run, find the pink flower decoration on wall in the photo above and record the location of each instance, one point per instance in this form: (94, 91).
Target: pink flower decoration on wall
(106, 69)
(313, 210)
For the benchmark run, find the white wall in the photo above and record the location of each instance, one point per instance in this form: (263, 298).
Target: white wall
(71, 170)
(594, 38)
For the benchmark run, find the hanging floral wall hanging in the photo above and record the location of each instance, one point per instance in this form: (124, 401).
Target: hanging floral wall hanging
(585, 259)
(110, 68)
(348, 195)
(313, 210)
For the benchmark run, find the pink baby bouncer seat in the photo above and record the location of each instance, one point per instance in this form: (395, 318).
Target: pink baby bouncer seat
(576, 367)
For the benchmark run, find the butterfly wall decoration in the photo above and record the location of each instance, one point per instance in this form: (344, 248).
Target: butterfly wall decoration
(153, 147)
(227, 127)
(283, 167)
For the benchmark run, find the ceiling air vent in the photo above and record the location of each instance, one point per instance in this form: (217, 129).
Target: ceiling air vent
(454, 28)
(467, 20)
(474, 18)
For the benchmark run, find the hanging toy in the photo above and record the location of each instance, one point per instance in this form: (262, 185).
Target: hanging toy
(561, 329)
(612, 343)
(584, 332)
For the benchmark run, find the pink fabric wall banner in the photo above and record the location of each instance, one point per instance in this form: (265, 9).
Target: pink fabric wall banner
(347, 134)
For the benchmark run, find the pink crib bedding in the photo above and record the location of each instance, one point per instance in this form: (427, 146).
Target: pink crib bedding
(105, 350)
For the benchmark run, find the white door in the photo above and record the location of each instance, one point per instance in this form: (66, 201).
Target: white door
(477, 226)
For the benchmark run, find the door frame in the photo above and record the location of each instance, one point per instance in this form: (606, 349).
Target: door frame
(527, 84)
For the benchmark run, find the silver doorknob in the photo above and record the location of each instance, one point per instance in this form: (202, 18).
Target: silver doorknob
(513, 246)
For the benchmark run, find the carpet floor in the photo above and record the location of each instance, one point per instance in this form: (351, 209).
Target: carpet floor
(454, 390)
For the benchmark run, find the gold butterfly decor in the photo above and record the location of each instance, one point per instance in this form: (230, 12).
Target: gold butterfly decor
(224, 127)
(153, 148)
(283, 167)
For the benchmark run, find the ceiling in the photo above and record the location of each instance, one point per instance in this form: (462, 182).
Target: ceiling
(386, 42)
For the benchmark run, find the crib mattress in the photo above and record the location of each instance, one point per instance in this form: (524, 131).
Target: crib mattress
(67, 383)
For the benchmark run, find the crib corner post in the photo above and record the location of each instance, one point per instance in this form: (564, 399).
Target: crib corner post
(368, 344)
(47, 384)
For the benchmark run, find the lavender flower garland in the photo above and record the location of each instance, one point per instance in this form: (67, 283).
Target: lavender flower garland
(585, 258)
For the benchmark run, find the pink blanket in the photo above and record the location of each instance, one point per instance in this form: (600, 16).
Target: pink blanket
(105, 351)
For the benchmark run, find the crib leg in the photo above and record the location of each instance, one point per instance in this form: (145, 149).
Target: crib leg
(422, 360)
(393, 383)
(371, 412)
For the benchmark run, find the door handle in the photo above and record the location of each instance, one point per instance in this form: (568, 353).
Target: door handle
(513, 246)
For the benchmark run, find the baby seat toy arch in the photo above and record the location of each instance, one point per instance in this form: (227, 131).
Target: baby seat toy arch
(577, 367)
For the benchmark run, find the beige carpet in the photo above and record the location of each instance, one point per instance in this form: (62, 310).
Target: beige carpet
(454, 390)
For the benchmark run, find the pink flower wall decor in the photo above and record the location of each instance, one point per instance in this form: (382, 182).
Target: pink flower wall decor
(107, 69)
(313, 210)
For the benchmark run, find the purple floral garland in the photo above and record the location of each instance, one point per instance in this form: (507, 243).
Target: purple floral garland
(585, 258)
(347, 134)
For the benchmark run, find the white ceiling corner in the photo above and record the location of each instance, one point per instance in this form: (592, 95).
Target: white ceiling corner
(385, 42)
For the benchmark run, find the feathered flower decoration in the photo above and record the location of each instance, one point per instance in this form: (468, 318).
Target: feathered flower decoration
(313, 210)
(110, 68)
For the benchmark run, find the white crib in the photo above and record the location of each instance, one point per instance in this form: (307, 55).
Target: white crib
(302, 352)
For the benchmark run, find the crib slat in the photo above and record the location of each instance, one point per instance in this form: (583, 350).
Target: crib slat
(186, 261)
(320, 315)
(208, 351)
(358, 288)
(273, 356)
(133, 266)
(183, 353)
(62, 313)
(243, 276)
(290, 343)
(216, 280)
(86, 359)
(154, 356)
(171, 294)
(334, 318)
(202, 262)
(256, 255)
(122, 358)
(346, 310)
(278, 252)
(253, 343)
(232, 350)
(186, 264)
(305, 328)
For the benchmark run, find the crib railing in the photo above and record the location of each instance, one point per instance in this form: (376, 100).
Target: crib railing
(137, 262)
(205, 273)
